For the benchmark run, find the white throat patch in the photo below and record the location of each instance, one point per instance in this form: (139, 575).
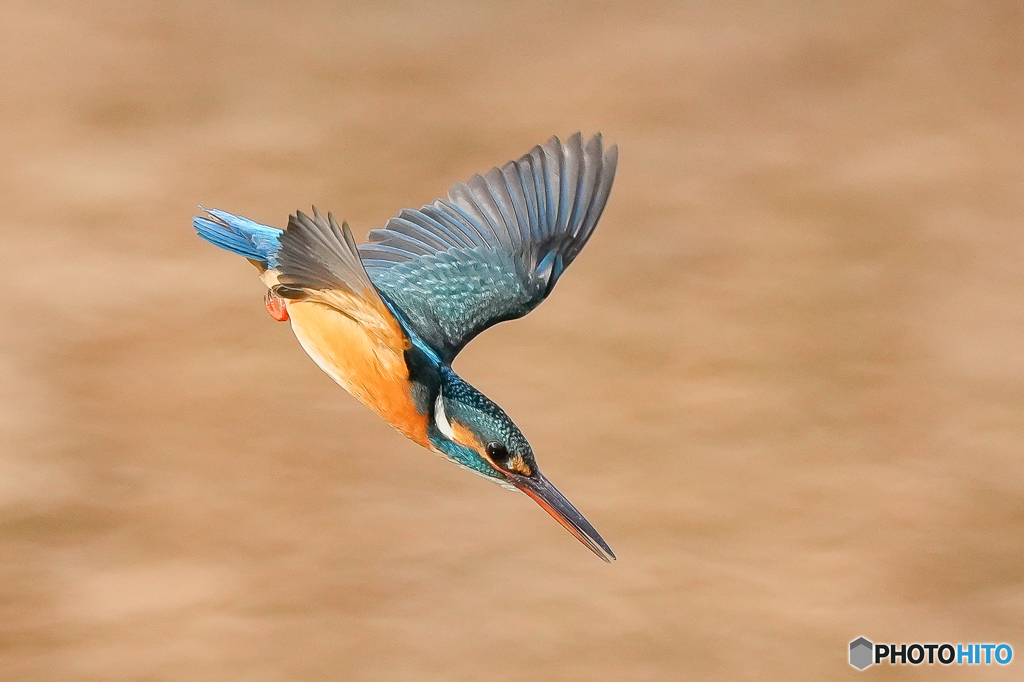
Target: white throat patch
(441, 419)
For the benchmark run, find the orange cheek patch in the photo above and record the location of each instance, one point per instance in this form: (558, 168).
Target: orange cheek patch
(464, 436)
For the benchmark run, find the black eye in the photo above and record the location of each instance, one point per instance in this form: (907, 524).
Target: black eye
(497, 452)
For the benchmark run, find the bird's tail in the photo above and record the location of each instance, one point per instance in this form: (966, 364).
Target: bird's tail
(240, 235)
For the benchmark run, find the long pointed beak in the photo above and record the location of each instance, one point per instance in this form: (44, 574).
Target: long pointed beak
(554, 503)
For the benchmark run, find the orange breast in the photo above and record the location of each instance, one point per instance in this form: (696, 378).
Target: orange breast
(367, 360)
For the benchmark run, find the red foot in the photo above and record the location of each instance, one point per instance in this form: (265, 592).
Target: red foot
(277, 307)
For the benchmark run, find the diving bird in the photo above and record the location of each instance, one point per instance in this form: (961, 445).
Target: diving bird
(385, 319)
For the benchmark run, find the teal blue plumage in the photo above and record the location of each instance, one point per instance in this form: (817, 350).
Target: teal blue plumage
(496, 247)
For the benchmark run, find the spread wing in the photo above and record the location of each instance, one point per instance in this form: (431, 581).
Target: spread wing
(496, 247)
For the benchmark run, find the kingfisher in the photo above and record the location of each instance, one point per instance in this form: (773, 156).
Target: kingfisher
(385, 319)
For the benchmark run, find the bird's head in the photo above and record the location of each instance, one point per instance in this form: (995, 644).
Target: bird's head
(472, 431)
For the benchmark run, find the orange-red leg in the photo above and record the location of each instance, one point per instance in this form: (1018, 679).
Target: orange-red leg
(277, 307)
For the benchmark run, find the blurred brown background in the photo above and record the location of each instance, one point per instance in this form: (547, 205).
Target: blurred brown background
(785, 379)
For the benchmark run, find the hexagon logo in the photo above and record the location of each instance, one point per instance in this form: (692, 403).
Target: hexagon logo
(861, 653)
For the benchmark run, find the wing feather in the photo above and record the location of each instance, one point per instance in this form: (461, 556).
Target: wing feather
(318, 261)
(495, 247)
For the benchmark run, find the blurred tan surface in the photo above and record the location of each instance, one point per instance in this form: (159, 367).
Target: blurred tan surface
(785, 379)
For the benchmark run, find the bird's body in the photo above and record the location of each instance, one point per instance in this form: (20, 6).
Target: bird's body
(386, 319)
(372, 368)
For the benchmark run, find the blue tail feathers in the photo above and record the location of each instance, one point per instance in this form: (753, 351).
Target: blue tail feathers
(239, 235)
